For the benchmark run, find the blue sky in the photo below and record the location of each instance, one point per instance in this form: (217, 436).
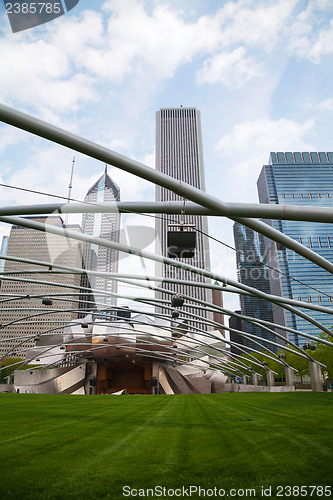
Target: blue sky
(261, 73)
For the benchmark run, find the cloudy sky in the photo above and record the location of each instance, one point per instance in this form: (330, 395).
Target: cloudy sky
(260, 71)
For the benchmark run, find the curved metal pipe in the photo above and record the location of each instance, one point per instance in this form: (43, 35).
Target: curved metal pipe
(141, 253)
(253, 210)
(65, 138)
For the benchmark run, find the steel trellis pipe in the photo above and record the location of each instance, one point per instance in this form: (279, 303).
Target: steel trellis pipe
(65, 138)
(120, 276)
(144, 254)
(253, 210)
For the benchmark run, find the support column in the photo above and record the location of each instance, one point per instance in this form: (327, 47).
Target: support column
(155, 375)
(316, 377)
(244, 379)
(91, 377)
(289, 376)
(270, 378)
(254, 379)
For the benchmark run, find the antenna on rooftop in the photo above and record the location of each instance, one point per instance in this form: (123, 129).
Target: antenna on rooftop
(70, 187)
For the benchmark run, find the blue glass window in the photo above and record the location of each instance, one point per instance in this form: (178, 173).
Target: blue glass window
(281, 158)
(314, 157)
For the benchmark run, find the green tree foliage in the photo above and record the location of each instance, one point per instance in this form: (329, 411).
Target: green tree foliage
(7, 368)
(292, 358)
(324, 354)
(247, 360)
(296, 361)
(271, 364)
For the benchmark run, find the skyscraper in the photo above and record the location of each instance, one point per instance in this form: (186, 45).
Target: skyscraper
(179, 154)
(304, 179)
(251, 271)
(106, 226)
(20, 319)
(3, 251)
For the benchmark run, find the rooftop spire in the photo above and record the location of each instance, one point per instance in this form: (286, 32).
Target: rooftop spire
(106, 168)
(70, 187)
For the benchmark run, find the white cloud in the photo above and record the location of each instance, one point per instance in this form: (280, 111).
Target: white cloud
(311, 33)
(137, 42)
(268, 135)
(245, 150)
(9, 136)
(323, 45)
(326, 105)
(232, 69)
(132, 188)
(73, 35)
(254, 23)
(61, 72)
(47, 171)
(38, 75)
(160, 42)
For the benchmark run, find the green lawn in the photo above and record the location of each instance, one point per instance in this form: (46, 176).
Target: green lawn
(89, 447)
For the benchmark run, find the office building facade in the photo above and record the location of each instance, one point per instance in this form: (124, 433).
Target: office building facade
(235, 323)
(252, 271)
(3, 251)
(179, 154)
(303, 179)
(22, 319)
(106, 226)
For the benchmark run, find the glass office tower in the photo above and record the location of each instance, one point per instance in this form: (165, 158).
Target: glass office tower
(252, 271)
(179, 154)
(106, 226)
(304, 179)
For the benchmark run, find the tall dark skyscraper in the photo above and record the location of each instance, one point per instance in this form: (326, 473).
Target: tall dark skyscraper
(251, 270)
(179, 154)
(304, 179)
(106, 226)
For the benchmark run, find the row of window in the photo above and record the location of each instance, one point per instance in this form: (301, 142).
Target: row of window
(320, 239)
(298, 157)
(311, 299)
(310, 195)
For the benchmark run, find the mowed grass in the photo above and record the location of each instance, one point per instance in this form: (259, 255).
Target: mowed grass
(89, 447)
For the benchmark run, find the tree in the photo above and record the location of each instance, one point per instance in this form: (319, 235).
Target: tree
(270, 364)
(292, 358)
(297, 362)
(8, 366)
(324, 354)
